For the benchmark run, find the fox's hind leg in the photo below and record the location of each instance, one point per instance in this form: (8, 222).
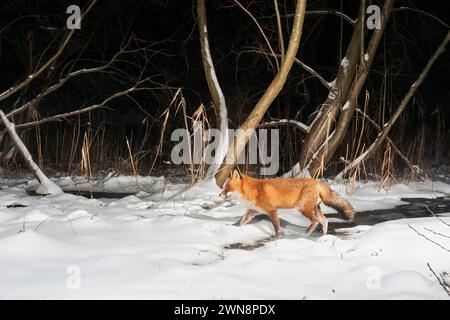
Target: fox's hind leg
(249, 215)
(312, 226)
(322, 219)
(309, 210)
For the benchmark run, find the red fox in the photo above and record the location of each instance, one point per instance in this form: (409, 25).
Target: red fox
(304, 194)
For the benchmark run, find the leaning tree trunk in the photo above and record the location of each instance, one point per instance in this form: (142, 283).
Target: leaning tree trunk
(388, 126)
(46, 186)
(265, 101)
(325, 119)
(329, 147)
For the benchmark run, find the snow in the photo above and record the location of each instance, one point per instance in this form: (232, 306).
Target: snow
(331, 95)
(109, 183)
(296, 172)
(157, 246)
(346, 105)
(344, 63)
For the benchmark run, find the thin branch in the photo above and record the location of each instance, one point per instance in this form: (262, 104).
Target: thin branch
(280, 30)
(325, 12)
(50, 61)
(388, 126)
(432, 241)
(442, 282)
(56, 86)
(333, 12)
(297, 124)
(366, 116)
(302, 65)
(74, 74)
(424, 13)
(17, 19)
(314, 73)
(437, 233)
(86, 109)
(261, 30)
(437, 217)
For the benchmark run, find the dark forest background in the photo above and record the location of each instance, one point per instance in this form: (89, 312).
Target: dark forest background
(160, 40)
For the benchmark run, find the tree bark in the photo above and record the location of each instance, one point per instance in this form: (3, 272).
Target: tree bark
(268, 97)
(215, 90)
(210, 72)
(327, 150)
(388, 126)
(324, 121)
(46, 186)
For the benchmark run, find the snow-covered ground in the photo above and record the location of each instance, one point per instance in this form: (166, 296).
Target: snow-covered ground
(163, 244)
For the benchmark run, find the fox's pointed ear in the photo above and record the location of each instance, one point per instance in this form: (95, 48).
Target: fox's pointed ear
(236, 174)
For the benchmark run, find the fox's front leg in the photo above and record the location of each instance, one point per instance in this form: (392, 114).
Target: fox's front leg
(273, 215)
(249, 215)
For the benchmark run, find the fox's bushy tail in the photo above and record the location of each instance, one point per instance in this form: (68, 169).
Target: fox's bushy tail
(334, 200)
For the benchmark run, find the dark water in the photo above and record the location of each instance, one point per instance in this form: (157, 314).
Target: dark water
(415, 208)
(101, 194)
(91, 195)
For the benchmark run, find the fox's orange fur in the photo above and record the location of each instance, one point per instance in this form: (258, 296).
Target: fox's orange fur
(304, 194)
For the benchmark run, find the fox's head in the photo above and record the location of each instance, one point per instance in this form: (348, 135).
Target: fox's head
(234, 183)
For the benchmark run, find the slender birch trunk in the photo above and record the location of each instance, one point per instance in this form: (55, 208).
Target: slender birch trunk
(268, 97)
(215, 90)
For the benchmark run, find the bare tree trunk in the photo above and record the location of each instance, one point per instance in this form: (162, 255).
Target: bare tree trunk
(215, 90)
(327, 150)
(46, 185)
(265, 101)
(388, 126)
(324, 121)
(210, 72)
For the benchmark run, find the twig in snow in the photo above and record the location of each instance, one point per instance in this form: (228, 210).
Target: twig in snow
(437, 233)
(432, 241)
(441, 281)
(434, 215)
